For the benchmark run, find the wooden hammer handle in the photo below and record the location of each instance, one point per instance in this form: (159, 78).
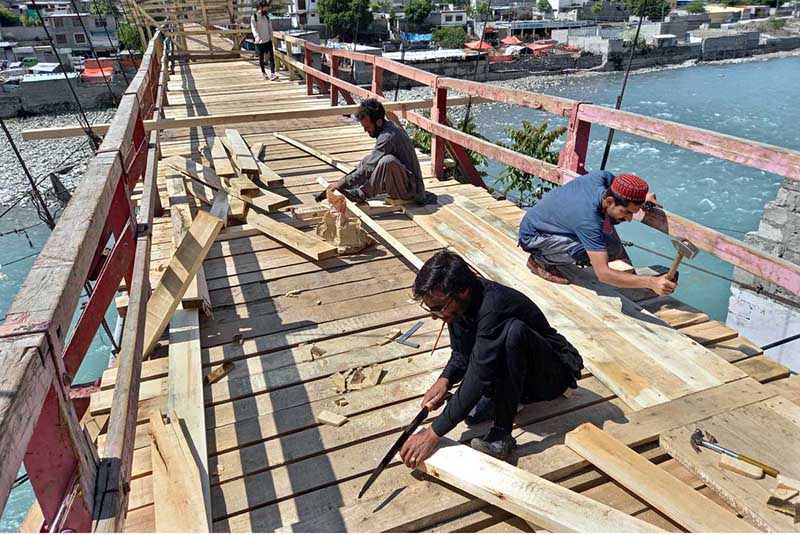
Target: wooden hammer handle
(769, 470)
(674, 268)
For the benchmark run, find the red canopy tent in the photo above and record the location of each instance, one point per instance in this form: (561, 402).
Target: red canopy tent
(477, 45)
(97, 74)
(511, 40)
(539, 49)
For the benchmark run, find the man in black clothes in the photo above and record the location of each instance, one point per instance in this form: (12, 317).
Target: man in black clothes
(504, 350)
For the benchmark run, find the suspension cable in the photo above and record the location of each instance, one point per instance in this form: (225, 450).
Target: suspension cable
(87, 127)
(402, 50)
(618, 104)
(94, 52)
(41, 206)
(755, 289)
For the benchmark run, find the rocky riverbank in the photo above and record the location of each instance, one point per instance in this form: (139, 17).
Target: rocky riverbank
(44, 156)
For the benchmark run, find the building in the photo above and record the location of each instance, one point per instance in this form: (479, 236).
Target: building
(68, 32)
(304, 14)
(450, 17)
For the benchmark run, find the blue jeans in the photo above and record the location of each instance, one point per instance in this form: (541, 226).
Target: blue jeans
(560, 250)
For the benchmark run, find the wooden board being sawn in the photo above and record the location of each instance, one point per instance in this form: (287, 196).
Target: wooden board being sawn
(639, 357)
(768, 431)
(532, 498)
(656, 486)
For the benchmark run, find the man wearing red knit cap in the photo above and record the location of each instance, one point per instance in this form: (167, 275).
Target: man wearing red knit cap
(566, 227)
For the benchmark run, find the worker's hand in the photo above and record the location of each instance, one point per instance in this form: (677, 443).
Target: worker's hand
(419, 447)
(662, 285)
(650, 201)
(435, 394)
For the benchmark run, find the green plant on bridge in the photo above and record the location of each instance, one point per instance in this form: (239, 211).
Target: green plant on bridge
(535, 141)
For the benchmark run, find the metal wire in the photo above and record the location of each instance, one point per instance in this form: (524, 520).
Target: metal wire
(781, 342)
(114, 100)
(477, 60)
(108, 35)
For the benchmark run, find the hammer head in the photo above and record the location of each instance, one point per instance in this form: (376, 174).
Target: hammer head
(696, 439)
(686, 248)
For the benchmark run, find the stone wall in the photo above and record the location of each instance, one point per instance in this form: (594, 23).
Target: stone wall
(653, 57)
(54, 95)
(23, 34)
(761, 310)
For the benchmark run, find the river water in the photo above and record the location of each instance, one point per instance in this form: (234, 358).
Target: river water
(756, 100)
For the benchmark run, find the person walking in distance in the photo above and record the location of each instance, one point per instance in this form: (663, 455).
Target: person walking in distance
(261, 27)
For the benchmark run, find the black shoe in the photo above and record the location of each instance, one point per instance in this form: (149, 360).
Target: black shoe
(426, 198)
(496, 443)
(321, 196)
(354, 195)
(481, 412)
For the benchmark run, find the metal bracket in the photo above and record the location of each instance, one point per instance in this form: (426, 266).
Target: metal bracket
(142, 230)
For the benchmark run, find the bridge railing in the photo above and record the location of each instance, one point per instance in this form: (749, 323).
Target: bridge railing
(581, 116)
(40, 354)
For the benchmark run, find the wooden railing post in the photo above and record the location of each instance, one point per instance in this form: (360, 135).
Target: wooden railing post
(289, 56)
(279, 63)
(309, 77)
(377, 80)
(439, 116)
(335, 74)
(573, 154)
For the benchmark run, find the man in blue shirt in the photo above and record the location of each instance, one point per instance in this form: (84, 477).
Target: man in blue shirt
(566, 227)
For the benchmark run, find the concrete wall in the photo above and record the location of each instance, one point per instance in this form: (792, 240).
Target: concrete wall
(692, 22)
(23, 34)
(654, 57)
(773, 313)
(54, 95)
(597, 45)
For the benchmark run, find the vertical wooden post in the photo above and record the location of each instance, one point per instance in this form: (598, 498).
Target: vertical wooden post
(279, 63)
(438, 115)
(309, 78)
(289, 66)
(377, 80)
(573, 154)
(335, 74)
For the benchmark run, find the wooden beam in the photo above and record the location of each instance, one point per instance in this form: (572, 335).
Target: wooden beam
(219, 157)
(662, 490)
(220, 207)
(197, 294)
(267, 201)
(241, 151)
(236, 118)
(305, 244)
(532, 498)
(177, 503)
(182, 267)
(185, 394)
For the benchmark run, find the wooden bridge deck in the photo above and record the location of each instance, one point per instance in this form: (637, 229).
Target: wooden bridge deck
(270, 463)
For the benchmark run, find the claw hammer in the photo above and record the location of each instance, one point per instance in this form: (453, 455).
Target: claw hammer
(707, 440)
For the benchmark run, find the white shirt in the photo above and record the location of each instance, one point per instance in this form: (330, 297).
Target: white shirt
(261, 28)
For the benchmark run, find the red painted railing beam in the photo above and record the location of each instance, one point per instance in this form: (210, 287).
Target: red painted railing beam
(573, 155)
(439, 116)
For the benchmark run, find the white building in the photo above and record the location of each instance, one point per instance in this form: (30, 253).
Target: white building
(452, 17)
(304, 14)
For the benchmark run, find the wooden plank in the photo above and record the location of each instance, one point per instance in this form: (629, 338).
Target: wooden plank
(530, 497)
(765, 431)
(241, 152)
(220, 207)
(176, 481)
(303, 243)
(219, 158)
(185, 391)
(182, 267)
(662, 490)
(196, 295)
(267, 200)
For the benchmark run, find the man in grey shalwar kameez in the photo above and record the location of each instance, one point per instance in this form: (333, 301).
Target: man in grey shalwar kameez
(392, 168)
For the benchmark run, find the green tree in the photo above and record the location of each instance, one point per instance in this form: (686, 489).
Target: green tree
(344, 16)
(696, 7)
(654, 9)
(544, 6)
(418, 10)
(128, 38)
(422, 140)
(776, 24)
(535, 141)
(100, 8)
(450, 37)
(480, 11)
(9, 18)
(597, 8)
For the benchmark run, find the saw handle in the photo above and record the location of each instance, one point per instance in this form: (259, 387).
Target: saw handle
(770, 471)
(674, 268)
(447, 396)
